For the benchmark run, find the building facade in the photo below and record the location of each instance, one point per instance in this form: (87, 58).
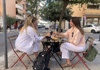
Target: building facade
(14, 8)
(0, 7)
(20, 9)
(10, 8)
(88, 13)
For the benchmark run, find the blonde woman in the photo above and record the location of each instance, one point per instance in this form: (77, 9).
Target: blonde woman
(28, 40)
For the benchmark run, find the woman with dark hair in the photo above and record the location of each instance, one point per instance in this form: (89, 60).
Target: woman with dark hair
(76, 40)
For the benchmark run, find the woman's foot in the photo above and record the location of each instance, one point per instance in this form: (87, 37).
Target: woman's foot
(18, 51)
(66, 65)
(59, 53)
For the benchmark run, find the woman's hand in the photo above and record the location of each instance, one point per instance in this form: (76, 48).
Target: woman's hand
(72, 43)
(55, 33)
(58, 34)
(48, 34)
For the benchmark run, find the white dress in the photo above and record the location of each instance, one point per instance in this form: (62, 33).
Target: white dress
(28, 41)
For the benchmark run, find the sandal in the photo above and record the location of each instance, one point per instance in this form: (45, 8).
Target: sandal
(66, 65)
(18, 51)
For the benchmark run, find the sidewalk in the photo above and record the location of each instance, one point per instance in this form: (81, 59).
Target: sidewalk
(95, 65)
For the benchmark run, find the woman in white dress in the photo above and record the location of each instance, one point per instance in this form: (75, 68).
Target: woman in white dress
(28, 40)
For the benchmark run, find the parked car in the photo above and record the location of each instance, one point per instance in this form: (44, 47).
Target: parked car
(40, 25)
(91, 28)
(47, 26)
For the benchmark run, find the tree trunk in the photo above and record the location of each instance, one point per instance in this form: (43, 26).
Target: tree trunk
(62, 14)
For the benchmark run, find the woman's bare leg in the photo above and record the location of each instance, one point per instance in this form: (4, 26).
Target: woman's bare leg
(59, 53)
(68, 62)
(35, 54)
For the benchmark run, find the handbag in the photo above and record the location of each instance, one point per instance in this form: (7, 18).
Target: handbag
(42, 61)
(91, 53)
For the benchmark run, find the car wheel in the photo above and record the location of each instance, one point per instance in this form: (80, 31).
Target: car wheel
(92, 31)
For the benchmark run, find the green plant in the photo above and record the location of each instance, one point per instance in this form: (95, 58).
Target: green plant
(53, 10)
(10, 20)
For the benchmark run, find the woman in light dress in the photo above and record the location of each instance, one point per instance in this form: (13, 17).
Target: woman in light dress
(28, 40)
(76, 40)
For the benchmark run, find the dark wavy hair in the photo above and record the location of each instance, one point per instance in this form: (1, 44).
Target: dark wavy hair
(76, 22)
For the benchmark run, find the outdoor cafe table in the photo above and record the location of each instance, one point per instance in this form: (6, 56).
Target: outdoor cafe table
(52, 46)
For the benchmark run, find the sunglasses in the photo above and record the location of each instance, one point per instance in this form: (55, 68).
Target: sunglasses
(72, 34)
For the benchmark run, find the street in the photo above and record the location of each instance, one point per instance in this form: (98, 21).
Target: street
(2, 48)
(41, 30)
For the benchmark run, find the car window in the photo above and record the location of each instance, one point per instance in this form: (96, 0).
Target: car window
(89, 25)
(85, 26)
(95, 25)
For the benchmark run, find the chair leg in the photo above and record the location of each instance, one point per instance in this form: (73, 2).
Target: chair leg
(29, 57)
(83, 62)
(20, 59)
(17, 60)
(58, 56)
(80, 59)
(74, 57)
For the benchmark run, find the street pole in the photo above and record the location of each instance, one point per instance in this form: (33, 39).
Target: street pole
(5, 33)
(99, 36)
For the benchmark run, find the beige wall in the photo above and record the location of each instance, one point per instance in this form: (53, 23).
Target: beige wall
(10, 8)
(0, 7)
(78, 11)
(92, 11)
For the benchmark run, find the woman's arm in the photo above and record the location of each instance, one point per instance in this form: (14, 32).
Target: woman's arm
(31, 32)
(60, 35)
(77, 39)
(66, 34)
(73, 43)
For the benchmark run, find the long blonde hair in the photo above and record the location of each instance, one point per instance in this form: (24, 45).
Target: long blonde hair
(29, 22)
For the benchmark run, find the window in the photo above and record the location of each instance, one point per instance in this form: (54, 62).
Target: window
(19, 12)
(89, 25)
(93, 6)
